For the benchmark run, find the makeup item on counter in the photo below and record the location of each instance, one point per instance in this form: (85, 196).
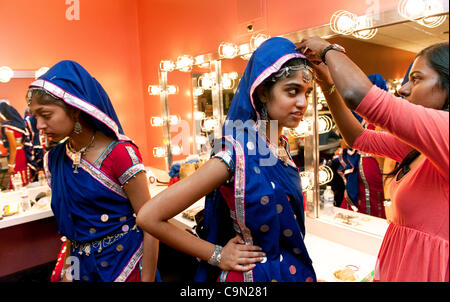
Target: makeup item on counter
(328, 201)
(25, 204)
(348, 274)
(11, 209)
(41, 178)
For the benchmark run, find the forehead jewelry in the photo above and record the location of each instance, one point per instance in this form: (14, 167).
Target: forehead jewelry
(307, 72)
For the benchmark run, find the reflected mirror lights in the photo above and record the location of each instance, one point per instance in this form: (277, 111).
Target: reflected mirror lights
(325, 176)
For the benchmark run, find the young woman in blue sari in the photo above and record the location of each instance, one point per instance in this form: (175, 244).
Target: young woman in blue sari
(254, 221)
(95, 177)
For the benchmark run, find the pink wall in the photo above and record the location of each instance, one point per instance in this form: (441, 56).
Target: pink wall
(170, 28)
(105, 41)
(121, 43)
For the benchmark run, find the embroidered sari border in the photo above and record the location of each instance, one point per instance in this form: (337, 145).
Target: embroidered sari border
(99, 161)
(47, 173)
(99, 175)
(80, 104)
(133, 170)
(130, 265)
(132, 154)
(15, 128)
(239, 197)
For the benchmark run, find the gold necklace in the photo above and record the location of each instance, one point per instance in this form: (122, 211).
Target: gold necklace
(280, 150)
(76, 155)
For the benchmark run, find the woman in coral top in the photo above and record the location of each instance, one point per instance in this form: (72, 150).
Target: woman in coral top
(415, 246)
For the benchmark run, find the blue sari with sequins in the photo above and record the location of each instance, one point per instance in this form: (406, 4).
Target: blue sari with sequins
(268, 206)
(90, 208)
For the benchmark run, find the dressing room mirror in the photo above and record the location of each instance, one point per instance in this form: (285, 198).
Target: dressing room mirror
(389, 53)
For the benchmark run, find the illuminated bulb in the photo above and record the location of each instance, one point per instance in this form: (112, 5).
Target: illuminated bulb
(199, 60)
(172, 89)
(154, 90)
(197, 91)
(6, 73)
(167, 65)
(41, 71)
(319, 106)
(227, 83)
(205, 81)
(325, 175)
(363, 28)
(233, 75)
(257, 40)
(173, 119)
(411, 9)
(176, 150)
(199, 115)
(157, 121)
(210, 124)
(325, 124)
(184, 63)
(159, 152)
(228, 50)
(343, 22)
(432, 7)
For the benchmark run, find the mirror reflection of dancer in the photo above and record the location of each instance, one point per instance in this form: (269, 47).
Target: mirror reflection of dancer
(415, 246)
(361, 172)
(95, 176)
(34, 149)
(254, 217)
(13, 131)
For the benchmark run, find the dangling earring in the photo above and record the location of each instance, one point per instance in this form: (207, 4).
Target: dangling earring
(264, 115)
(77, 128)
(263, 122)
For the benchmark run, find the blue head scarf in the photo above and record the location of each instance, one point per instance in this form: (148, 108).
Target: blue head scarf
(406, 77)
(70, 82)
(264, 62)
(12, 120)
(12, 117)
(251, 178)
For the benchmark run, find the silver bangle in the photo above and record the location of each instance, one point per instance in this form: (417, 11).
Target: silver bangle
(216, 256)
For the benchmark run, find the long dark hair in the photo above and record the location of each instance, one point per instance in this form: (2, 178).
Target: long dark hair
(436, 57)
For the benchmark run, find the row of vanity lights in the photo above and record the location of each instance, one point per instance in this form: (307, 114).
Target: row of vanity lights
(7, 73)
(425, 12)
(342, 22)
(206, 81)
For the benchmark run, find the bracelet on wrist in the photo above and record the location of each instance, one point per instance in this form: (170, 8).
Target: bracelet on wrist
(216, 256)
(330, 90)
